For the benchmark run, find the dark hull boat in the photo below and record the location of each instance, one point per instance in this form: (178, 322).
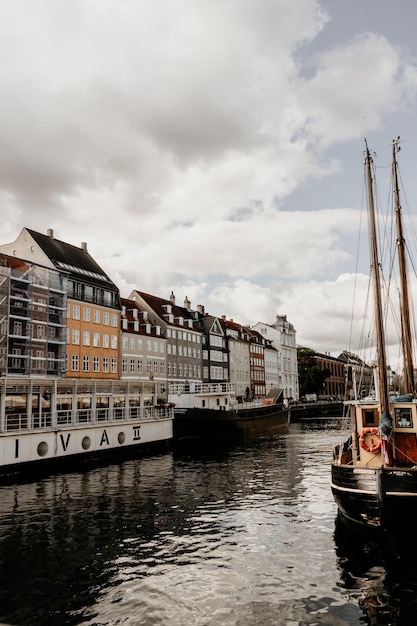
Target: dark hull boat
(195, 419)
(374, 472)
(365, 488)
(210, 423)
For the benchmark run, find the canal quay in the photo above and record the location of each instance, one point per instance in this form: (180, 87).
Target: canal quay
(242, 534)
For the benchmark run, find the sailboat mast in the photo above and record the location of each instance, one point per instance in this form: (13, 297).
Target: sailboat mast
(376, 278)
(404, 296)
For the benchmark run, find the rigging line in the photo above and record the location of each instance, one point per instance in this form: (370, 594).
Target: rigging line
(355, 281)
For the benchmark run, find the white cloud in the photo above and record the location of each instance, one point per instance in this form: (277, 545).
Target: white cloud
(171, 135)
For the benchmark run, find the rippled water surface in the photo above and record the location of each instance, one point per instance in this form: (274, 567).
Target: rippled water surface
(242, 535)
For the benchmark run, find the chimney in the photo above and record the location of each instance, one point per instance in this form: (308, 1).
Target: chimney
(50, 233)
(187, 304)
(200, 308)
(84, 246)
(172, 297)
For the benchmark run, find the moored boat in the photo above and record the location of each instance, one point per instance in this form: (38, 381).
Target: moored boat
(374, 472)
(207, 411)
(48, 425)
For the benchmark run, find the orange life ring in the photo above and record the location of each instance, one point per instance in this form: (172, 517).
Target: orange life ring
(374, 447)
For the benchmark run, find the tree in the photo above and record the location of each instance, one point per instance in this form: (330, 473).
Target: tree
(311, 377)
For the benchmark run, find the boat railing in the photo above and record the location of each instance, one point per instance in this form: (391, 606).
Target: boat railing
(197, 388)
(19, 422)
(241, 406)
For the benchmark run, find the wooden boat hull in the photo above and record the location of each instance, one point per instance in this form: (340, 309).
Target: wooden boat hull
(382, 498)
(206, 424)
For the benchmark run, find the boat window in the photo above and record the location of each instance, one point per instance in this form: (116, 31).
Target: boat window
(403, 418)
(369, 417)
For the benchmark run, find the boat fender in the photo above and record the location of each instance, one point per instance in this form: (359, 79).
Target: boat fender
(374, 447)
(385, 424)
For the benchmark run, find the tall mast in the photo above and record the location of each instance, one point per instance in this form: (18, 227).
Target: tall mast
(404, 296)
(376, 279)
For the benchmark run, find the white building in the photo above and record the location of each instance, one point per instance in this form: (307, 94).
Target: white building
(283, 337)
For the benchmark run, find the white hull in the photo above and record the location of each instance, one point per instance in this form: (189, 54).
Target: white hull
(23, 448)
(48, 439)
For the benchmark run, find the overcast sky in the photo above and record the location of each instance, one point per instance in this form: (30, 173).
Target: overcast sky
(209, 147)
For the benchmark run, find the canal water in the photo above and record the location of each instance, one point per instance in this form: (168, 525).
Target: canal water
(238, 535)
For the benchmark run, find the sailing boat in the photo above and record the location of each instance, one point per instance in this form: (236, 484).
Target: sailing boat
(374, 472)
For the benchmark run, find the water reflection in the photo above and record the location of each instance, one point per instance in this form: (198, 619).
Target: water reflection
(379, 572)
(236, 535)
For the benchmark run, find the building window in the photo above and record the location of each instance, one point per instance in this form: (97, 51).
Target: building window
(86, 338)
(132, 366)
(140, 366)
(76, 312)
(106, 340)
(124, 366)
(86, 314)
(96, 316)
(86, 363)
(106, 318)
(74, 363)
(17, 328)
(76, 336)
(114, 320)
(105, 364)
(114, 342)
(96, 364)
(114, 366)
(96, 340)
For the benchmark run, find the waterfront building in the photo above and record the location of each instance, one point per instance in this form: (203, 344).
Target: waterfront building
(257, 362)
(143, 352)
(282, 334)
(238, 357)
(335, 384)
(93, 302)
(271, 368)
(214, 344)
(359, 376)
(32, 319)
(184, 359)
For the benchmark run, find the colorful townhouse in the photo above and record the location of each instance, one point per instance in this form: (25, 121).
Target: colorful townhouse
(143, 352)
(184, 342)
(239, 358)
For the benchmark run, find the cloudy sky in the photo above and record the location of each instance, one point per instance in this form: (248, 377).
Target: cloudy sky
(209, 147)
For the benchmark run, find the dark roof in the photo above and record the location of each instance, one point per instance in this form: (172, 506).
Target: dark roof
(130, 305)
(76, 261)
(158, 305)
